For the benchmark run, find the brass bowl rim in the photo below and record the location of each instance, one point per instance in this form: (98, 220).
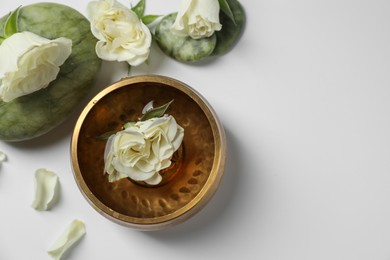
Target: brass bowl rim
(204, 195)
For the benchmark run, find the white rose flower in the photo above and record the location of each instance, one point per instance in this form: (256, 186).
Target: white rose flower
(143, 149)
(197, 18)
(29, 63)
(122, 35)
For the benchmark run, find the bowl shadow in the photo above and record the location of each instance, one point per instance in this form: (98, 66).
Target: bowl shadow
(215, 215)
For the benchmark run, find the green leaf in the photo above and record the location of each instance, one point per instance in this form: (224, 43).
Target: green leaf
(225, 7)
(139, 9)
(148, 19)
(230, 33)
(105, 136)
(1, 39)
(11, 25)
(128, 124)
(156, 112)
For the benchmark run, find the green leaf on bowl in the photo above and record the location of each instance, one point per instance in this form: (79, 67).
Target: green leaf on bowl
(156, 112)
(230, 33)
(182, 48)
(106, 135)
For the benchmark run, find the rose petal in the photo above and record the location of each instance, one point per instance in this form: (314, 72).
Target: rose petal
(133, 172)
(178, 138)
(156, 179)
(46, 189)
(116, 176)
(197, 18)
(3, 157)
(108, 147)
(67, 239)
(180, 24)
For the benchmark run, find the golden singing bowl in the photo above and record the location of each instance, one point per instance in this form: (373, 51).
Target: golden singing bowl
(197, 177)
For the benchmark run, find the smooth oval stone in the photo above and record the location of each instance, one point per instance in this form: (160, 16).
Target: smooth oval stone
(36, 114)
(230, 33)
(182, 48)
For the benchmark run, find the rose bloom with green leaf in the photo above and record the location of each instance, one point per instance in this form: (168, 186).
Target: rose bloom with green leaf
(197, 18)
(29, 63)
(143, 149)
(121, 33)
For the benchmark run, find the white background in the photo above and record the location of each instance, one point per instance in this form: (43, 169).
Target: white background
(304, 98)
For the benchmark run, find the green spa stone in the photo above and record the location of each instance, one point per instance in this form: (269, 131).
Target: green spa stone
(182, 48)
(35, 114)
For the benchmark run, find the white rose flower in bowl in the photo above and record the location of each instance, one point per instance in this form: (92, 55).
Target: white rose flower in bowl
(29, 63)
(197, 18)
(122, 35)
(143, 149)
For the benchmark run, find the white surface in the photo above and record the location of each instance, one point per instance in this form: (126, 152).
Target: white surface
(304, 98)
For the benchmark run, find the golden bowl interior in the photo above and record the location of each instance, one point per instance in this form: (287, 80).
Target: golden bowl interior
(132, 204)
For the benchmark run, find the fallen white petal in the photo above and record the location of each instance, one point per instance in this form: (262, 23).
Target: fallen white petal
(46, 189)
(3, 157)
(68, 238)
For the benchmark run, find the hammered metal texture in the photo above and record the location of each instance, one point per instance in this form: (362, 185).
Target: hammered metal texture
(129, 198)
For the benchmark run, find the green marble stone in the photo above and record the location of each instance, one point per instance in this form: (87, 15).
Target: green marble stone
(36, 114)
(230, 33)
(182, 48)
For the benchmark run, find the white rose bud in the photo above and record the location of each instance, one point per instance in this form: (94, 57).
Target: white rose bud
(29, 63)
(143, 149)
(122, 35)
(197, 18)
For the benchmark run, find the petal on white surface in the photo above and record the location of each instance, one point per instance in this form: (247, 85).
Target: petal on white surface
(74, 232)
(46, 189)
(3, 157)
